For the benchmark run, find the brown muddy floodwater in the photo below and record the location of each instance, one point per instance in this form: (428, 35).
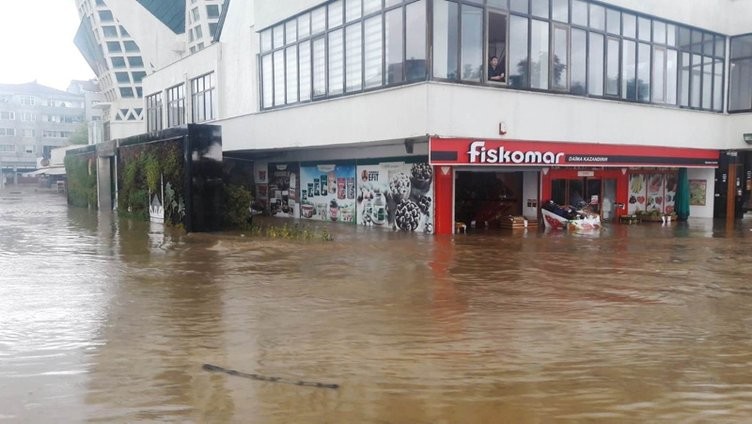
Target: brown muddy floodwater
(103, 320)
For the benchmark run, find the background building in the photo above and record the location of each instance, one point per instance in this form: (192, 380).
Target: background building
(93, 108)
(34, 119)
(124, 40)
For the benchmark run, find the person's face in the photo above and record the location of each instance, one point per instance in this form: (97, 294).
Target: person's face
(494, 62)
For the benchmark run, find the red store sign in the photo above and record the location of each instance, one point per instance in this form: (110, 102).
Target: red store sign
(463, 151)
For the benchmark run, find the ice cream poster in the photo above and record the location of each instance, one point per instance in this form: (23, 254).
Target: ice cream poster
(396, 195)
(327, 192)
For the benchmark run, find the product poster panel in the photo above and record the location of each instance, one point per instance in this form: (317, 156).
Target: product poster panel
(282, 189)
(327, 193)
(656, 186)
(669, 203)
(396, 195)
(636, 193)
(697, 192)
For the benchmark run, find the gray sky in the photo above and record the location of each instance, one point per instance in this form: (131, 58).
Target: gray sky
(36, 43)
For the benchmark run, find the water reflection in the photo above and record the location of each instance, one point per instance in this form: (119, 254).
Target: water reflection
(108, 319)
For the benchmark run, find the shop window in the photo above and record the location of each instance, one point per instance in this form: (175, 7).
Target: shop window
(497, 47)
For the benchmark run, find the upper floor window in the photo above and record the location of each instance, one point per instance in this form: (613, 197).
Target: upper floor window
(176, 106)
(740, 74)
(7, 116)
(154, 112)
(7, 131)
(27, 100)
(343, 47)
(203, 101)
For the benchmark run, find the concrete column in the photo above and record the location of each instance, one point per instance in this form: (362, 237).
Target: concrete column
(731, 188)
(104, 184)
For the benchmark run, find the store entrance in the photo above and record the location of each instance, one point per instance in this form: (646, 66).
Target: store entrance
(593, 193)
(483, 199)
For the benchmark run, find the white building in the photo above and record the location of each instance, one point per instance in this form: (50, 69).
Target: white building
(601, 100)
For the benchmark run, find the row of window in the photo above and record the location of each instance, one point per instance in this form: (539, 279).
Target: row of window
(25, 132)
(12, 148)
(30, 117)
(570, 46)
(366, 47)
(31, 101)
(203, 104)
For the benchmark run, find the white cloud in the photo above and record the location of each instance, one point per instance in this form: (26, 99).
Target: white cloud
(36, 43)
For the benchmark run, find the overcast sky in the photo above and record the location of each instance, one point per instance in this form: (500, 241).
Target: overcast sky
(36, 43)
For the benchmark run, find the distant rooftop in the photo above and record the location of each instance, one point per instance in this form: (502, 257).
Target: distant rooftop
(33, 89)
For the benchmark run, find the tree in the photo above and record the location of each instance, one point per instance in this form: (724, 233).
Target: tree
(80, 136)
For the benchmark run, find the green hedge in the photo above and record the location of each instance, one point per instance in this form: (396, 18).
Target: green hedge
(81, 172)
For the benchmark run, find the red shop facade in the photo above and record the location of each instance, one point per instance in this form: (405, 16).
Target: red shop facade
(480, 181)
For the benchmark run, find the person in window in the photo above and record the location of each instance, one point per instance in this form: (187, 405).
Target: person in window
(495, 70)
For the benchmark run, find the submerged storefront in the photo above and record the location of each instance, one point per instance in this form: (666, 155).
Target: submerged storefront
(484, 180)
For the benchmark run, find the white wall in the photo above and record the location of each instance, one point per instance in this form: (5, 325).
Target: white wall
(738, 125)
(159, 45)
(270, 12)
(709, 176)
(238, 87)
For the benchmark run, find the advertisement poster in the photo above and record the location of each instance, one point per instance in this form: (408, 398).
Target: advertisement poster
(282, 189)
(396, 195)
(649, 192)
(327, 193)
(697, 190)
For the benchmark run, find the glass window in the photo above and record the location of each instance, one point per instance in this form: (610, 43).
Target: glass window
(130, 46)
(370, 6)
(352, 10)
(671, 80)
(685, 39)
(684, 79)
(175, 106)
(643, 72)
(497, 46)
(126, 92)
(518, 57)
(708, 44)
(560, 10)
(278, 35)
(117, 62)
(628, 82)
(353, 58)
(114, 47)
(304, 55)
(373, 54)
(740, 84)
(671, 35)
(659, 75)
(291, 72)
(540, 8)
(707, 83)
(659, 32)
(597, 17)
(106, 16)
(318, 20)
(595, 66)
(539, 54)
(613, 21)
(612, 67)
(415, 17)
(720, 46)
(135, 62)
(643, 25)
(695, 90)
(304, 25)
(394, 47)
(446, 39)
(560, 65)
(335, 14)
(279, 78)
(291, 31)
(579, 62)
(319, 67)
(266, 81)
(472, 43)
(499, 4)
(718, 86)
(628, 25)
(212, 11)
(202, 98)
(579, 12)
(123, 77)
(696, 41)
(336, 59)
(109, 31)
(519, 6)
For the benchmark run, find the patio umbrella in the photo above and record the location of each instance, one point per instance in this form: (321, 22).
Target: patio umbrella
(681, 205)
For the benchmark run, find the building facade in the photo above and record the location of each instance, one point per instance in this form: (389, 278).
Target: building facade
(34, 119)
(437, 111)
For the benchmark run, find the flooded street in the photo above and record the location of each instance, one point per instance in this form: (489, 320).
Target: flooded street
(103, 320)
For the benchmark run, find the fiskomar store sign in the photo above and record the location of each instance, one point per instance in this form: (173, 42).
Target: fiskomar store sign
(474, 152)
